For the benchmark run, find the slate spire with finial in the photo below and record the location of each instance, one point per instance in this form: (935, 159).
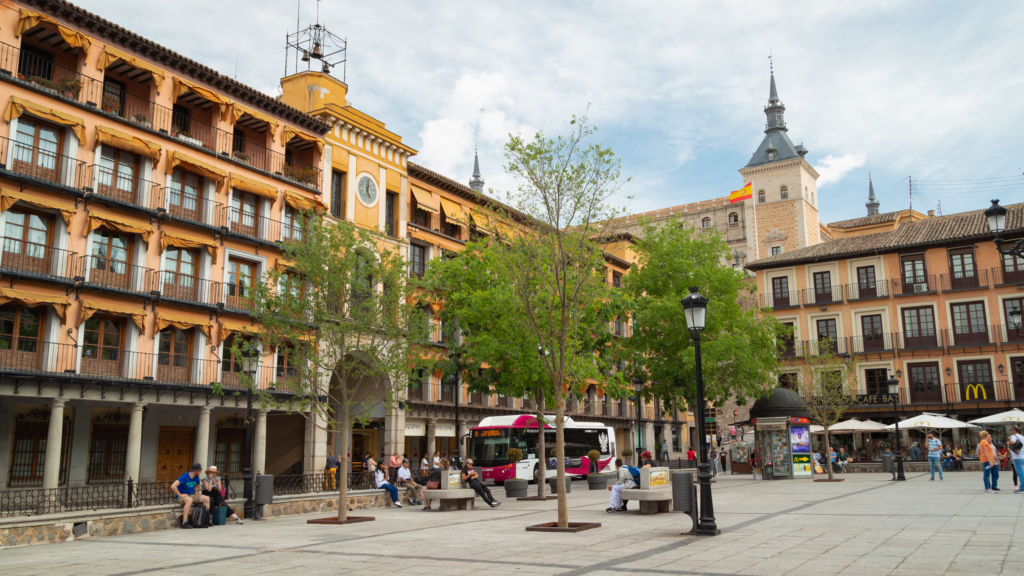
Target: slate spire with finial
(776, 145)
(477, 181)
(873, 203)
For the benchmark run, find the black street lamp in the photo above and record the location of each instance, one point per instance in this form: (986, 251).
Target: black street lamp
(695, 308)
(894, 391)
(250, 357)
(638, 387)
(996, 216)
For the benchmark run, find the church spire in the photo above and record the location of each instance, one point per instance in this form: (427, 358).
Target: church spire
(477, 181)
(872, 201)
(774, 110)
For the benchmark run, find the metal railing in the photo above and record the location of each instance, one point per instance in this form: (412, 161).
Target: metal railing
(971, 336)
(298, 172)
(777, 300)
(823, 295)
(1008, 334)
(879, 342)
(867, 291)
(104, 272)
(31, 260)
(248, 225)
(185, 288)
(792, 348)
(322, 482)
(975, 280)
(189, 207)
(237, 298)
(909, 286)
(952, 390)
(838, 346)
(919, 340)
(977, 391)
(1003, 277)
(33, 162)
(42, 73)
(124, 188)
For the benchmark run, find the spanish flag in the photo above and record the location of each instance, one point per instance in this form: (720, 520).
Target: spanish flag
(741, 194)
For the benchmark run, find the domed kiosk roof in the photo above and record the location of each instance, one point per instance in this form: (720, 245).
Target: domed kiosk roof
(781, 402)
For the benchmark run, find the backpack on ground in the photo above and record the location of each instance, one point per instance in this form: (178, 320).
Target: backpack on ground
(199, 516)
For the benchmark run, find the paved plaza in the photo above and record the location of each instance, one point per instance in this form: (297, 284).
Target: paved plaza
(862, 526)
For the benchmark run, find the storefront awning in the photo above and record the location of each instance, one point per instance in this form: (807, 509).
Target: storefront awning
(111, 55)
(99, 219)
(9, 197)
(19, 106)
(31, 299)
(122, 141)
(30, 19)
(182, 241)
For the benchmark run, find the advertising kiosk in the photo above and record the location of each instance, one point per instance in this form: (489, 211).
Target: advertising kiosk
(782, 435)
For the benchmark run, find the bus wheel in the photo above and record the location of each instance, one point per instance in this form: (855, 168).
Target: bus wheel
(536, 474)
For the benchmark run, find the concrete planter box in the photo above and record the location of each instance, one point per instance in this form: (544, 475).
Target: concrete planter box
(516, 488)
(597, 482)
(553, 483)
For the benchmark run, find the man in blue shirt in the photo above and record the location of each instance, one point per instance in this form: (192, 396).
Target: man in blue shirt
(185, 493)
(934, 455)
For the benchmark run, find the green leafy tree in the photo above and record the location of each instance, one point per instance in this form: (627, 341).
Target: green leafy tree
(740, 346)
(532, 303)
(338, 307)
(825, 388)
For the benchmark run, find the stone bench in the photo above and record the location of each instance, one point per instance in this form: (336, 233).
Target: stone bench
(654, 493)
(453, 494)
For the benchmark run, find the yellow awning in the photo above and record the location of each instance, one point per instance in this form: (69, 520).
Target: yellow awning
(122, 141)
(424, 200)
(30, 19)
(181, 241)
(290, 133)
(453, 211)
(228, 328)
(175, 159)
(19, 106)
(256, 187)
(166, 320)
(111, 54)
(237, 110)
(90, 307)
(482, 221)
(302, 203)
(118, 223)
(9, 197)
(30, 299)
(283, 265)
(182, 86)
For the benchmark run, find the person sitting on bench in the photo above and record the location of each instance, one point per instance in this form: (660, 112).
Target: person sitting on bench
(214, 489)
(470, 476)
(184, 489)
(624, 481)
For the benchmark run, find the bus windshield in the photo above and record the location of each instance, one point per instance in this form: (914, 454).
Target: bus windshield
(488, 447)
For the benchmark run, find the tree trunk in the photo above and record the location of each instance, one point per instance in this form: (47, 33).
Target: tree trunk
(828, 457)
(343, 447)
(563, 501)
(541, 449)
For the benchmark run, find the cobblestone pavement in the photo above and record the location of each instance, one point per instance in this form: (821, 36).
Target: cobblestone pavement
(862, 526)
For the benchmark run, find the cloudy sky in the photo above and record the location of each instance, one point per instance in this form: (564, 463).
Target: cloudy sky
(925, 89)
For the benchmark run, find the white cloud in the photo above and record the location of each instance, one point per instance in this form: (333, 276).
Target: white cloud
(832, 169)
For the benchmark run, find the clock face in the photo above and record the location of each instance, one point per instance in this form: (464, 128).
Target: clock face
(367, 190)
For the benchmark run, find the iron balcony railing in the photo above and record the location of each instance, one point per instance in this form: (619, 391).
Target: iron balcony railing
(778, 300)
(103, 272)
(792, 348)
(238, 298)
(911, 285)
(1009, 334)
(823, 295)
(190, 208)
(41, 164)
(877, 342)
(919, 340)
(978, 391)
(33, 260)
(867, 291)
(838, 346)
(968, 336)
(1003, 277)
(185, 288)
(44, 74)
(296, 171)
(124, 188)
(952, 392)
(974, 280)
(249, 225)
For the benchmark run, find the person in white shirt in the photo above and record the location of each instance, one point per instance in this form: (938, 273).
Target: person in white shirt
(624, 480)
(381, 477)
(437, 459)
(405, 479)
(424, 465)
(1016, 446)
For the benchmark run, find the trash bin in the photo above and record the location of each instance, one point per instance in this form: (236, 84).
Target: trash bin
(887, 463)
(682, 491)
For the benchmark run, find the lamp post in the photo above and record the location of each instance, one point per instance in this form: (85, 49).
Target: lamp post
(638, 386)
(695, 308)
(250, 357)
(996, 216)
(1013, 319)
(894, 391)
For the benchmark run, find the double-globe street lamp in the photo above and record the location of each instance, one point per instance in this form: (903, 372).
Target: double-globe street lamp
(996, 216)
(695, 308)
(894, 392)
(250, 360)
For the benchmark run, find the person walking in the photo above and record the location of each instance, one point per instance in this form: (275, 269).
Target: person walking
(989, 464)
(714, 460)
(437, 460)
(664, 449)
(732, 433)
(424, 467)
(331, 472)
(1016, 446)
(934, 455)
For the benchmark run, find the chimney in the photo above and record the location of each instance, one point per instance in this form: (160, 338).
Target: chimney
(931, 213)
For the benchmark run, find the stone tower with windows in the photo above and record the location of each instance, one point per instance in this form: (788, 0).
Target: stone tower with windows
(784, 187)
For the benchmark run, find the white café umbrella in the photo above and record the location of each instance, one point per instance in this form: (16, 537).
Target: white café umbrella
(872, 426)
(847, 426)
(929, 421)
(815, 429)
(1014, 416)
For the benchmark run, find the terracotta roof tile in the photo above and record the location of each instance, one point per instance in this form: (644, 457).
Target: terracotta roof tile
(866, 220)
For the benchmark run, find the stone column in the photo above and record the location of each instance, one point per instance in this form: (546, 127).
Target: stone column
(666, 435)
(203, 437)
(649, 439)
(431, 440)
(259, 443)
(133, 456)
(394, 432)
(51, 465)
(315, 446)
(461, 429)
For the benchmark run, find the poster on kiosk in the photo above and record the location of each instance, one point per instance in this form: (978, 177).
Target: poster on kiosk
(800, 443)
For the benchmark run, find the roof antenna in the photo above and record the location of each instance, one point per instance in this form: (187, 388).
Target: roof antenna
(236, 65)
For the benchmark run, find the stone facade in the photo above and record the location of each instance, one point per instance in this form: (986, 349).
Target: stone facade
(302, 506)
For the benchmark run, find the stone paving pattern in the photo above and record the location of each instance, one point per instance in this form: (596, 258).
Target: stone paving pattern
(863, 526)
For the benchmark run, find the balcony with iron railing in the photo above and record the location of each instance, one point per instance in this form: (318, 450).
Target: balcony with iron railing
(30, 260)
(107, 274)
(1004, 277)
(780, 300)
(827, 346)
(792, 348)
(867, 291)
(238, 298)
(44, 75)
(919, 340)
(249, 225)
(41, 165)
(1009, 334)
(184, 288)
(973, 280)
(969, 336)
(121, 189)
(914, 285)
(182, 206)
(871, 343)
(823, 295)
(980, 391)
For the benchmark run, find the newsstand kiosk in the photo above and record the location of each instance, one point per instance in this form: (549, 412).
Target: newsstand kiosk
(782, 435)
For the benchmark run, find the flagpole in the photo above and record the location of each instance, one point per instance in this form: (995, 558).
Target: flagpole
(757, 240)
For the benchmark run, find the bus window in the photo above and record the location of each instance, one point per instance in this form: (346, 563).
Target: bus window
(488, 447)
